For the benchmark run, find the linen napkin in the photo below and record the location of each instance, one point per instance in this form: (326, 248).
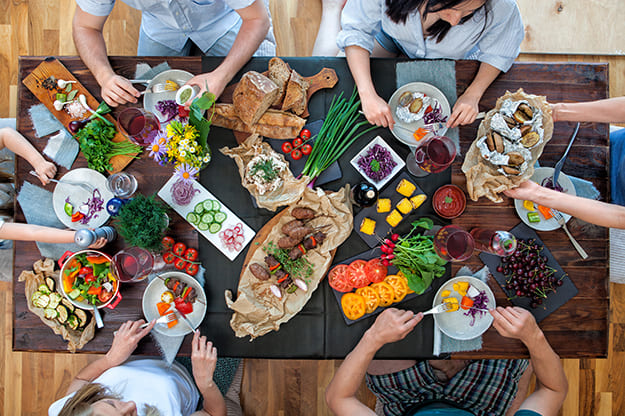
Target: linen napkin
(36, 204)
(43, 121)
(440, 73)
(144, 71)
(62, 147)
(444, 344)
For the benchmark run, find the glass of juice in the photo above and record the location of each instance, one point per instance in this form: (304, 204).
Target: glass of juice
(452, 243)
(139, 125)
(433, 155)
(133, 264)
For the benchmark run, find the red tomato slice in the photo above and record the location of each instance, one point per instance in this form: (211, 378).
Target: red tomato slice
(104, 296)
(357, 275)
(338, 280)
(376, 271)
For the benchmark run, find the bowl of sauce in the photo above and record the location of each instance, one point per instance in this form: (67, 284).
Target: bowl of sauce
(449, 201)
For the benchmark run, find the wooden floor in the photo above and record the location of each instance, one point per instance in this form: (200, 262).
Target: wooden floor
(30, 382)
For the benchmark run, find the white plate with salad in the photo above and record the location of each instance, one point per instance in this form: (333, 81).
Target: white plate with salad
(465, 324)
(150, 99)
(214, 220)
(77, 208)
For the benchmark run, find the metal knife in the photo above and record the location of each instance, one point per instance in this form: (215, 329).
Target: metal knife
(556, 172)
(184, 317)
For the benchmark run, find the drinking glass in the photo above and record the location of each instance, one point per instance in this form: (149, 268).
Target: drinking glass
(133, 264)
(122, 185)
(139, 125)
(452, 243)
(433, 155)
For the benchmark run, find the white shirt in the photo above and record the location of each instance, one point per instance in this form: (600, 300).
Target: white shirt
(169, 389)
(496, 43)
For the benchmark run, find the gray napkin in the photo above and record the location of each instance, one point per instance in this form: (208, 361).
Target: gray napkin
(617, 255)
(43, 121)
(440, 73)
(36, 204)
(62, 148)
(443, 343)
(144, 71)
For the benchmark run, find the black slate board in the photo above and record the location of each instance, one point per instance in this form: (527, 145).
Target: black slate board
(554, 299)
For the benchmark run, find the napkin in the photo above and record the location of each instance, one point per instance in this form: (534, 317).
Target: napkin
(144, 71)
(62, 147)
(37, 206)
(444, 344)
(617, 255)
(440, 73)
(43, 121)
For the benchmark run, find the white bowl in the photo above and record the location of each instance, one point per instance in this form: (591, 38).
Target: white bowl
(150, 99)
(400, 163)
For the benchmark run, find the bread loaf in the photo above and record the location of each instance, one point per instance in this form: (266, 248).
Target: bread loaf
(253, 96)
(273, 123)
(279, 72)
(295, 97)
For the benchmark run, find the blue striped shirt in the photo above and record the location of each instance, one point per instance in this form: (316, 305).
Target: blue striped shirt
(498, 44)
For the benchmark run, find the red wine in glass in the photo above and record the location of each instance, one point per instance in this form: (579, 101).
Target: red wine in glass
(452, 243)
(133, 264)
(139, 124)
(433, 155)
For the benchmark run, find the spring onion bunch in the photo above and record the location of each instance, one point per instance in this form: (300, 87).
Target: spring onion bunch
(338, 132)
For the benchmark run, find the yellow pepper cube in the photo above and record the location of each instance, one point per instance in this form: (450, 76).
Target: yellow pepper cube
(461, 287)
(367, 226)
(406, 188)
(384, 205)
(417, 200)
(529, 205)
(394, 218)
(404, 206)
(453, 302)
(446, 293)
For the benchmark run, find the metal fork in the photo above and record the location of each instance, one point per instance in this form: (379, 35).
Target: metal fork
(558, 216)
(84, 186)
(443, 307)
(165, 319)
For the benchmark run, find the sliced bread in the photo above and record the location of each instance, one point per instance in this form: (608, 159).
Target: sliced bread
(273, 123)
(295, 97)
(253, 96)
(279, 72)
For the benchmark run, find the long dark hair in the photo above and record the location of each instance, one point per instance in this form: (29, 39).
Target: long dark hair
(399, 10)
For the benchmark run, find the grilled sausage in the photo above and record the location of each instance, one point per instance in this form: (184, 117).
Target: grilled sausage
(289, 226)
(259, 271)
(303, 213)
(300, 232)
(288, 242)
(271, 261)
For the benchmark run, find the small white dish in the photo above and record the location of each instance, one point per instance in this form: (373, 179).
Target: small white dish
(399, 162)
(551, 224)
(150, 99)
(193, 91)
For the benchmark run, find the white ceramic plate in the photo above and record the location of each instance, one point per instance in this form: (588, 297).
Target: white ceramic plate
(456, 324)
(152, 296)
(404, 134)
(400, 163)
(550, 224)
(150, 99)
(79, 196)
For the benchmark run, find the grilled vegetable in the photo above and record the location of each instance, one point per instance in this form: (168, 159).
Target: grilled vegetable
(82, 316)
(55, 300)
(62, 314)
(50, 313)
(51, 284)
(72, 322)
(68, 305)
(42, 301)
(43, 288)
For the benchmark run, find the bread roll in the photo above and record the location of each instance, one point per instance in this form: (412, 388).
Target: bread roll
(253, 96)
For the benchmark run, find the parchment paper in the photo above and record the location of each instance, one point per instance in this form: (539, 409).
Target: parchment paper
(291, 188)
(483, 179)
(256, 310)
(42, 269)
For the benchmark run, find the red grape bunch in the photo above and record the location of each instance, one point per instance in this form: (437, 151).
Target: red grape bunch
(528, 274)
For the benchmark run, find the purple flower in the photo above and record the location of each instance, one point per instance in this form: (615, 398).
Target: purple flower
(158, 146)
(185, 172)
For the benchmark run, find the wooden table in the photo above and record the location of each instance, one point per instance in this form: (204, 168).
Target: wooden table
(578, 329)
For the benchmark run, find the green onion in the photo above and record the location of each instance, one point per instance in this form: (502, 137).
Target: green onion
(338, 132)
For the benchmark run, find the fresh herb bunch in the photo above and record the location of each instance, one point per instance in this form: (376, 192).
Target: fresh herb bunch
(142, 222)
(97, 147)
(269, 171)
(415, 257)
(301, 267)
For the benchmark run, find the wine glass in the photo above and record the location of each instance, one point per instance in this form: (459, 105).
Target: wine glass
(139, 125)
(133, 264)
(452, 243)
(433, 155)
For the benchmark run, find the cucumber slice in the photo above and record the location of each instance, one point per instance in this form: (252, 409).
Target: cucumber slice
(220, 217)
(214, 228)
(199, 208)
(74, 294)
(202, 226)
(216, 205)
(193, 218)
(208, 205)
(207, 218)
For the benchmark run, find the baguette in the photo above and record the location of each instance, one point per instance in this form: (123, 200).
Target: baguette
(253, 96)
(279, 72)
(295, 97)
(274, 124)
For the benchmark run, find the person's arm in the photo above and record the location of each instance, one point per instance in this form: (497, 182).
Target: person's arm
(204, 360)
(251, 34)
(551, 383)
(467, 106)
(611, 110)
(589, 210)
(89, 41)
(18, 144)
(42, 234)
(124, 343)
(390, 326)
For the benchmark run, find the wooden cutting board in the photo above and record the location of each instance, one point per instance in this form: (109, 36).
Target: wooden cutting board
(53, 67)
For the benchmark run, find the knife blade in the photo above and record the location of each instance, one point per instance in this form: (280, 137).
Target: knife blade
(184, 317)
(556, 172)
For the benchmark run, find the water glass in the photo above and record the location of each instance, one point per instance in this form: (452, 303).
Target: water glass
(452, 243)
(139, 125)
(122, 185)
(133, 264)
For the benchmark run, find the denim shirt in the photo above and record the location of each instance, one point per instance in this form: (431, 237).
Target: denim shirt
(496, 43)
(172, 22)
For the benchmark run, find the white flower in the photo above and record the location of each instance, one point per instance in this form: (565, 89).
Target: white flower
(192, 149)
(182, 153)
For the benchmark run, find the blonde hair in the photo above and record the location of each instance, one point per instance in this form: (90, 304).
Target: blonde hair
(80, 403)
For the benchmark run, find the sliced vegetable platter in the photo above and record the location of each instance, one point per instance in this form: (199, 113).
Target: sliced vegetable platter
(213, 219)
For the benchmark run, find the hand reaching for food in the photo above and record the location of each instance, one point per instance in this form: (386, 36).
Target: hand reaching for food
(515, 322)
(377, 111)
(525, 191)
(393, 325)
(126, 340)
(465, 110)
(45, 171)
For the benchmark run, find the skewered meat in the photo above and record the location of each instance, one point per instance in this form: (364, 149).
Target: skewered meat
(271, 261)
(259, 271)
(175, 285)
(300, 232)
(288, 242)
(283, 278)
(289, 226)
(192, 296)
(308, 244)
(303, 213)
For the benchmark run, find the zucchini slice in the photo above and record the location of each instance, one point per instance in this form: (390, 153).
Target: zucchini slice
(43, 288)
(42, 301)
(55, 300)
(63, 313)
(72, 321)
(51, 283)
(83, 317)
(68, 305)
(50, 313)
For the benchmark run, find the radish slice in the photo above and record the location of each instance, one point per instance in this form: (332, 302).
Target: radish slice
(276, 291)
(301, 284)
(233, 238)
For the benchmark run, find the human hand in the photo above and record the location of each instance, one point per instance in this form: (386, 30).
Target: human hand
(515, 322)
(525, 191)
(203, 361)
(210, 82)
(393, 325)
(118, 90)
(99, 243)
(125, 341)
(45, 170)
(377, 111)
(465, 110)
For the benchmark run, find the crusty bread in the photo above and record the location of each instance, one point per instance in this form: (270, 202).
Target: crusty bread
(295, 97)
(253, 96)
(279, 72)
(273, 123)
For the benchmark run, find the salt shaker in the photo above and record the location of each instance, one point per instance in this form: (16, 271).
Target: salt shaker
(85, 237)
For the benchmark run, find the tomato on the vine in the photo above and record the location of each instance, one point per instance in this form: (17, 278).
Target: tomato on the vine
(169, 257)
(167, 243)
(297, 142)
(180, 264)
(192, 269)
(304, 134)
(287, 147)
(296, 154)
(306, 149)
(190, 254)
(179, 249)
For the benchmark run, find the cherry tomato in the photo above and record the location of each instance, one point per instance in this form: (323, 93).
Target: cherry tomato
(85, 270)
(182, 111)
(296, 154)
(182, 306)
(179, 249)
(304, 134)
(356, 274)
(306, 149)
(169, 257)
(90, 278)
(287, 147)
(338, 279)
(375, 270)
(192, 269)
(104, 296)
(190, 254)
(180, 264)
(167, 243)
(297, 142)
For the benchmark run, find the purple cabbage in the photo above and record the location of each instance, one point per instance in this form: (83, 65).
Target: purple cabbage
(479, 302)
(435, 116)
(168, 108)
(377, 163)
(95, 204)
(548, 183)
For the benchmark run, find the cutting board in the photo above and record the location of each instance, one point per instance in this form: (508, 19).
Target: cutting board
(53, 67)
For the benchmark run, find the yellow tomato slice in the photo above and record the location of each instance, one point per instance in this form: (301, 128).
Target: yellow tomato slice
(372, 300)
(385, 292)
(353, 306)
(399, 285)
(400, 274)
